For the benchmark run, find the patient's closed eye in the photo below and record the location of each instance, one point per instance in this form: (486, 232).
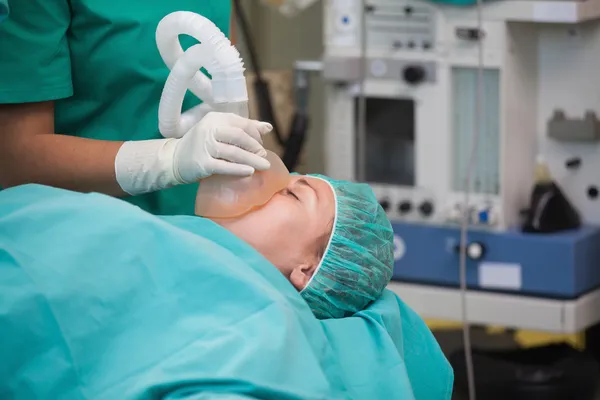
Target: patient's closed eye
(288, 192)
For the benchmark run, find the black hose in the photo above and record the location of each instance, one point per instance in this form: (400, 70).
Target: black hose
(243, 21)
(292, 147)
(261, 87)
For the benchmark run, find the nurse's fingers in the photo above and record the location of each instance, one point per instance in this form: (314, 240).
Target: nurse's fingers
(222, 167)
(238, 155)
(254, 131)
(239, 138)
(250, 124)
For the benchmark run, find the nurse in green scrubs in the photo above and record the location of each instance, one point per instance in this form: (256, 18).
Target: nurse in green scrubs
(80, 83)
(3, 9)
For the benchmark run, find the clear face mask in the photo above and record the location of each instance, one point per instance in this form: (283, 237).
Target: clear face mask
(221, 196)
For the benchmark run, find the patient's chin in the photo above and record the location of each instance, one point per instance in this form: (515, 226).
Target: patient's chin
(250, 214)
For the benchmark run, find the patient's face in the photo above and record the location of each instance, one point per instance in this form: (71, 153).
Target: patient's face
(292, 229)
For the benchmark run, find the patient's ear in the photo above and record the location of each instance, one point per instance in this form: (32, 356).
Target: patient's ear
(301, 274)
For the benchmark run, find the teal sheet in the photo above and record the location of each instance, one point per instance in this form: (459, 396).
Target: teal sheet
(100, 300)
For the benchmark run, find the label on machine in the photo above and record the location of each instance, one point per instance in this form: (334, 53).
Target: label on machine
(495, 275)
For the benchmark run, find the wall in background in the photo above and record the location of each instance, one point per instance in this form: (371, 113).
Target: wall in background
(279, 42)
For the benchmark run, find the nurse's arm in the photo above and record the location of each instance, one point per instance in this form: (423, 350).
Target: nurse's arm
(31, 152)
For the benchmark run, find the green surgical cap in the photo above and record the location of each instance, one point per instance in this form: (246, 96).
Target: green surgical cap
(358, 261)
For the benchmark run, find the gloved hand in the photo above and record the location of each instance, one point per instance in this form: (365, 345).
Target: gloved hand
(189, 119)
(224, 144)
(220, 143)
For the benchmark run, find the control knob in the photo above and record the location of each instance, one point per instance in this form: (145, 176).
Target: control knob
(475, 251)
(385, 204)
(404, 207)
(426, 208)
(413, 74)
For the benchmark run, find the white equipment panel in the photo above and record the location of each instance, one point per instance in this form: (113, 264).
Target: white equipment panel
(427, 54)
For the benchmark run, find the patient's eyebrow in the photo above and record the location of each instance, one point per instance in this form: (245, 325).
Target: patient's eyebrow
(303, 181)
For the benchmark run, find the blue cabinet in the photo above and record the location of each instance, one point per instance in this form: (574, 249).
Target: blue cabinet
(561, 265)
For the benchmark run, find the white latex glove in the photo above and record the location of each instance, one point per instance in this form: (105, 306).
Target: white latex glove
(220, 143)
(190, 118)
(224, 144)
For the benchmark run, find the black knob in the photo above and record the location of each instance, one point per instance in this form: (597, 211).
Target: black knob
(385, 204)
(413, 74)
(471, 34)
(426, 208)
(573, 163)
(404, 207)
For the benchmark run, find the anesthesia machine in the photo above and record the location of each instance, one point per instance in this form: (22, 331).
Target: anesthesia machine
(402, 106)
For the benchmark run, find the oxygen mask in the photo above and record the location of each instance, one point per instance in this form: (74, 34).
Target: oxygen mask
(223, 196)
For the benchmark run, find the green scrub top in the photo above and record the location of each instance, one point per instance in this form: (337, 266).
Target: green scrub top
(3, 10)
(98, 61)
